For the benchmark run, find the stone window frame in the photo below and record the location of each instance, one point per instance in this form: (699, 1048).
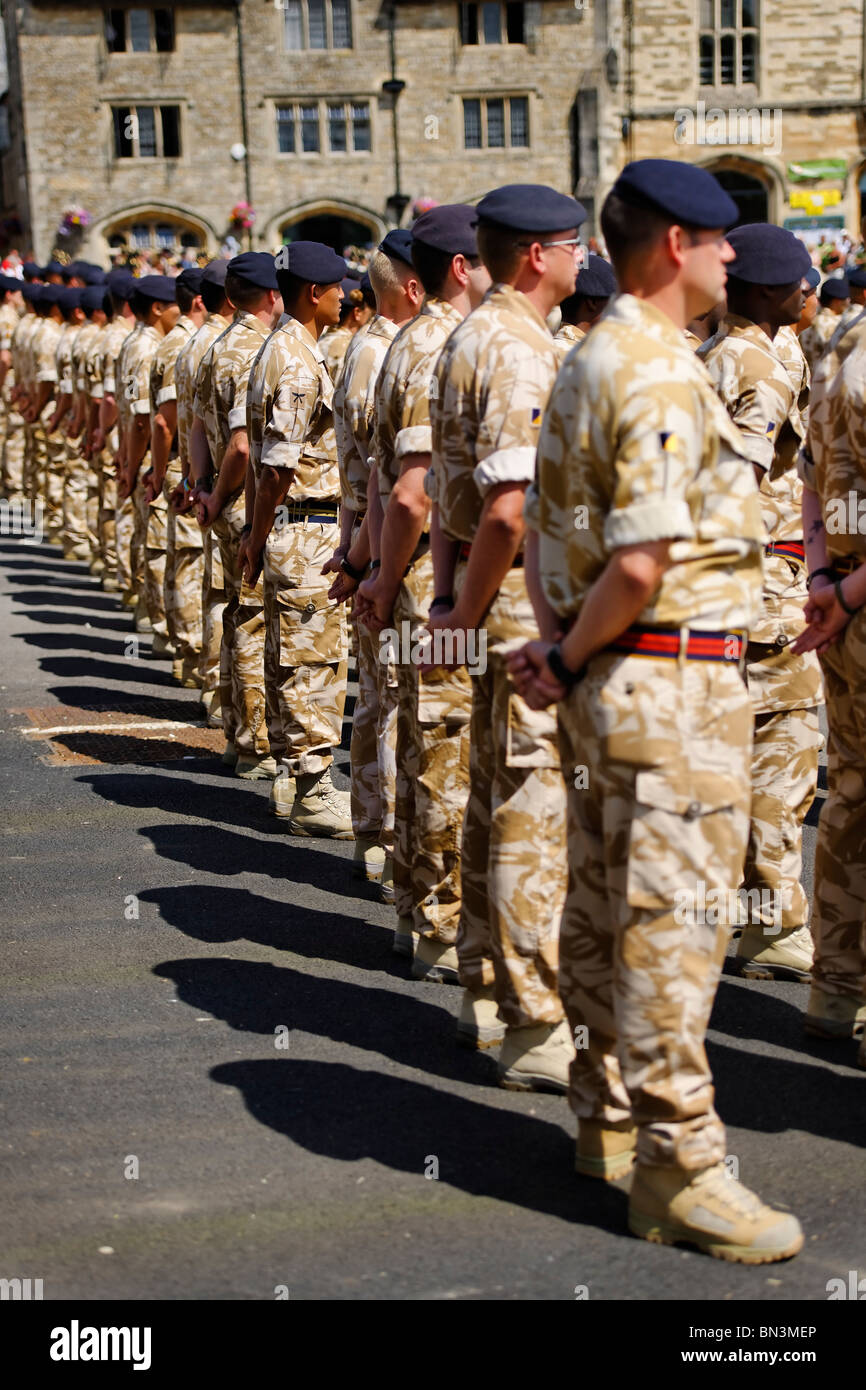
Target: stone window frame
(151, 11)
(729, 33)
(302, 9)
(484, 98)
(480, 40)
(121, 232)
(323, 105)
(133, 106)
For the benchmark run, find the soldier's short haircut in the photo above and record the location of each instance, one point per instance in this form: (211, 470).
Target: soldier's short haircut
(500, 249)
(432, 266)
(185, 296)
(629, 231)
(241, 293)
(212, 296)
(387, 274)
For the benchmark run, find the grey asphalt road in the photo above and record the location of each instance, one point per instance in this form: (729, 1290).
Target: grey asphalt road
(250, 1047)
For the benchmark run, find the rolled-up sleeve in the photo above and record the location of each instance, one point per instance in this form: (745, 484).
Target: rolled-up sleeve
(507, 440)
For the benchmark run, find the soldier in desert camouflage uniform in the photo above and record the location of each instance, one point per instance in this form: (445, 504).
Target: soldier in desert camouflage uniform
(49, 445)
(198, 567)
(432, 753)
(372, 751)
(355, 313)
(154, 304)
(75, 469)
(493, 380)
(294, 458)
(90, 333)
(765, 289)
(115, 519)
(814, 339)
(648, 557)
(162, 531)
(12, 473)
(220, 429)
(834, 507)
(593, 288)
(22, 371)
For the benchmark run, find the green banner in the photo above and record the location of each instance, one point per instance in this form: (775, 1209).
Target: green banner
(818, 169)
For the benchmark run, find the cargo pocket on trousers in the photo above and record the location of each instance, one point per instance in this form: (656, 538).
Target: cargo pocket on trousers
(444, 697)
(531, 737)
(687, 827)
(312, 631)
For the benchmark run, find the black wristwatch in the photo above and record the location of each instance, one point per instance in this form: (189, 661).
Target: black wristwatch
(563, 673)
(350, 570)
(442, 601)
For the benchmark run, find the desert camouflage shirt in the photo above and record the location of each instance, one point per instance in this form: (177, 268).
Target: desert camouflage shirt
(289, 413)
(186, 375)
(222, 382)
(83, 342)
(163, 367)
(636, 447)
(116, 334)
(8, 323)
(22, 362)
(835, 468)
(490, 388)
(567, 336)
(63, 356)
(44, 348)
(815, 338)
(403, 391)
(841, 345)
(354, 400)
(333, 344)
(786, 346)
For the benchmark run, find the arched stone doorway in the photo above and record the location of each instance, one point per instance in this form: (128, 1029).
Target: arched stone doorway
(750, 193)
(154, 228)
(336, 225)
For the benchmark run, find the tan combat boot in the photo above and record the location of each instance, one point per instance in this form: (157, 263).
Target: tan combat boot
(403, 944)
(536, 1058)
(142, 621)
(214, 707)
(255, 768)
(604, 1150)
(177, 669)
(834, 1015)
(190, 679)
(479, 1024)
(368, 860)
(109, 584)
(97, 565)
(129, 599)
(320, 809)
(435, 962)
(282, 795)
(230, 754)
(787, 956)
(161, 649)
(711, 1210)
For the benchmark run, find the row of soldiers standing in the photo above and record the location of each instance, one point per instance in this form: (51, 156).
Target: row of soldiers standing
(630, 552)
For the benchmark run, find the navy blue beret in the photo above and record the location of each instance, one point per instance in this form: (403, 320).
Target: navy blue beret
(857, 278)
(449, 228)
(121, 283)
(31, 269)
(596, 279)
(530, 207)
(69, 298)
(256, 268)
(49, 294)
(157, 287)
(311, 261)
(684, 192)
(8, 283)
(214, 272)
(93, 297)
(30, 292)
(190, 279)
(767, 255)
(54, 268)
(812, 277)
(835, 288)
(398, 245)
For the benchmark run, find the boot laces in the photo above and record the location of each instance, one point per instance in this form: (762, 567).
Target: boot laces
(730, 1192)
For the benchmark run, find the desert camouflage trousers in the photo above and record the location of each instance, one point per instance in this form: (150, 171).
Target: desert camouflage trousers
(306, 648)
(514, 858)
(432, 760)
(106, 520)
(129, 554)
(155, 542)
(213, 602)
(33, 473)
(80, 502)
(184, 569)
(373, 746)
(839, 904)
(51, 447)
(242, 651)
(12, 473)
(784, 782)
(656, 758)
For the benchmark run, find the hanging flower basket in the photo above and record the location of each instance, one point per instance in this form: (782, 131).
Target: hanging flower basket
(242, 215)
(74, 221)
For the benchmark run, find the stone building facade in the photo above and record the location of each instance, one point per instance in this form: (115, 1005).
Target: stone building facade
(331, 117)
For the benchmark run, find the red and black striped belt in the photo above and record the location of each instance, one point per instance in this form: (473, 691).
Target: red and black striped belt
(792, 550)
(672, 642)
(465, 548)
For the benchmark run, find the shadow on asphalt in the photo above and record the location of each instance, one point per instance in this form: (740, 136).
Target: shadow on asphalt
(72, 667)
(771, 1095)
(85, 641)
(345, 1113)
(51, 617)
(93, 597)
(183, 707)
(217, 915)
